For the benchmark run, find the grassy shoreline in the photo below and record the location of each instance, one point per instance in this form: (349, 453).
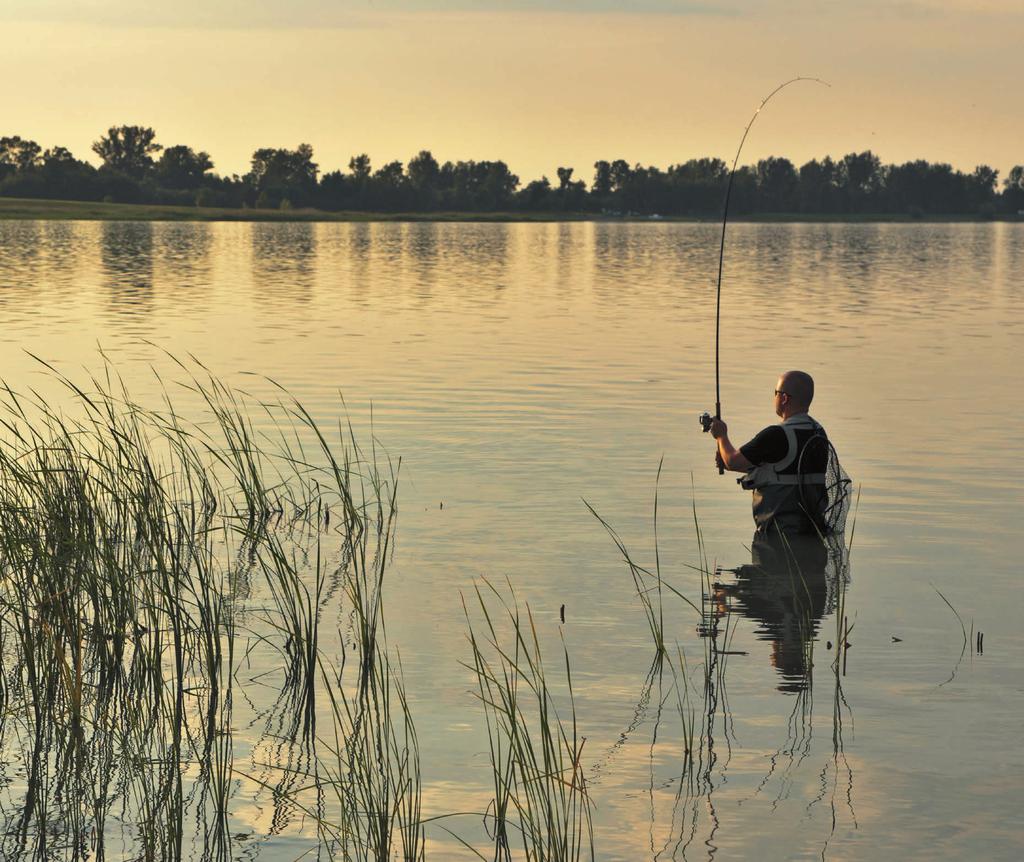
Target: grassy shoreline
(53, 210)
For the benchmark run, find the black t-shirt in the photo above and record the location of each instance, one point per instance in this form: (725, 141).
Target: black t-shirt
(768, 447)
(771, 445)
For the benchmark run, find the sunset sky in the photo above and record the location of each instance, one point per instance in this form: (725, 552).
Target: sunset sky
(538, 84)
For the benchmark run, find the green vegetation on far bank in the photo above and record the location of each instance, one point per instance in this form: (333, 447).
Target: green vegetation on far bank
(135, 169)
(28, 209)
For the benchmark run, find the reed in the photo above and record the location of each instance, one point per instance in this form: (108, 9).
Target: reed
(132, 541)
(650, 585)
(840, 561)
(539, 781)
(687, 716)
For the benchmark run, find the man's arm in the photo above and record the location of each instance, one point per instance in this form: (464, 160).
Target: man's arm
(731, 457)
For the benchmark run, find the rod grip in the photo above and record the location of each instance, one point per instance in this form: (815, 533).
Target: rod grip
(718, 454)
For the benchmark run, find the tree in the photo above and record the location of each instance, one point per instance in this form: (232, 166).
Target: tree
(776, 185)
(981, 189)
(423, 170)
(919, 187)
(334, 191)
(496, 186)
(388, 187)
(424, 174)
(271, 167)
(818, 186)
(621, 174)
(18, 154)
(392, 174)
(571, 195)
(639, 189)
(1013, 190)
(536, 194)
(180, 167)
(278, 175)
(360, 167)
(744, 190)
(477, 185)
(602, 185)
(702, 171)
(697, 186)
(860, 177)
(128, 149)
(58, 156)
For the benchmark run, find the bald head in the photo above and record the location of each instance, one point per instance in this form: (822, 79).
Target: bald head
(799, 386)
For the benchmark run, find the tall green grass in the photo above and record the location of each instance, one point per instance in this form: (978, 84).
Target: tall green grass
(139, 552)
(649, 583)
(541, 806)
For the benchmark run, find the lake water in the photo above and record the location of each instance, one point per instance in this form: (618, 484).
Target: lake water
(520, 369)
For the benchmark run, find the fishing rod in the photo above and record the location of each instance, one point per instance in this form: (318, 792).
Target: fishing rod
(705, 419)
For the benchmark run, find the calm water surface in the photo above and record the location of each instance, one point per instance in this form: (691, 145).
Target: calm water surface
(518, 370)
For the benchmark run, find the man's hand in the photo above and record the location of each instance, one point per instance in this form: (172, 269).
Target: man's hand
(727, 455)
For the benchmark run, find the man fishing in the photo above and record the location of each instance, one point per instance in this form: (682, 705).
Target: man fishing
(798, 483)
(785, 464)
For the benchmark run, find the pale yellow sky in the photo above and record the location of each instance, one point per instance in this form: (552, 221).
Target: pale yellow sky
(935, 79)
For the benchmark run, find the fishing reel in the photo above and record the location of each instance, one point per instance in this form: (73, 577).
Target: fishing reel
(705, 420)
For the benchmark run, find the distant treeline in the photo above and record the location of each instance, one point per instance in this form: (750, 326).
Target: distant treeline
(136, 169)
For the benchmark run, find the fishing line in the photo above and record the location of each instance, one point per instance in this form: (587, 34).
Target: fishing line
(725, 222)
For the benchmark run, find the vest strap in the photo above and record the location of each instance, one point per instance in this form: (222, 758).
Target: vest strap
(797, 479)
(770, 474)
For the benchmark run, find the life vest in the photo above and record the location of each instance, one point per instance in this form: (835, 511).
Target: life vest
(780, 490)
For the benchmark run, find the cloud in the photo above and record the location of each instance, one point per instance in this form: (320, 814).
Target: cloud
(248, 14)
(626, 7)
(325, 14)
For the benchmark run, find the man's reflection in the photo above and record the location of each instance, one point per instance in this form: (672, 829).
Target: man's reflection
(784, 590)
